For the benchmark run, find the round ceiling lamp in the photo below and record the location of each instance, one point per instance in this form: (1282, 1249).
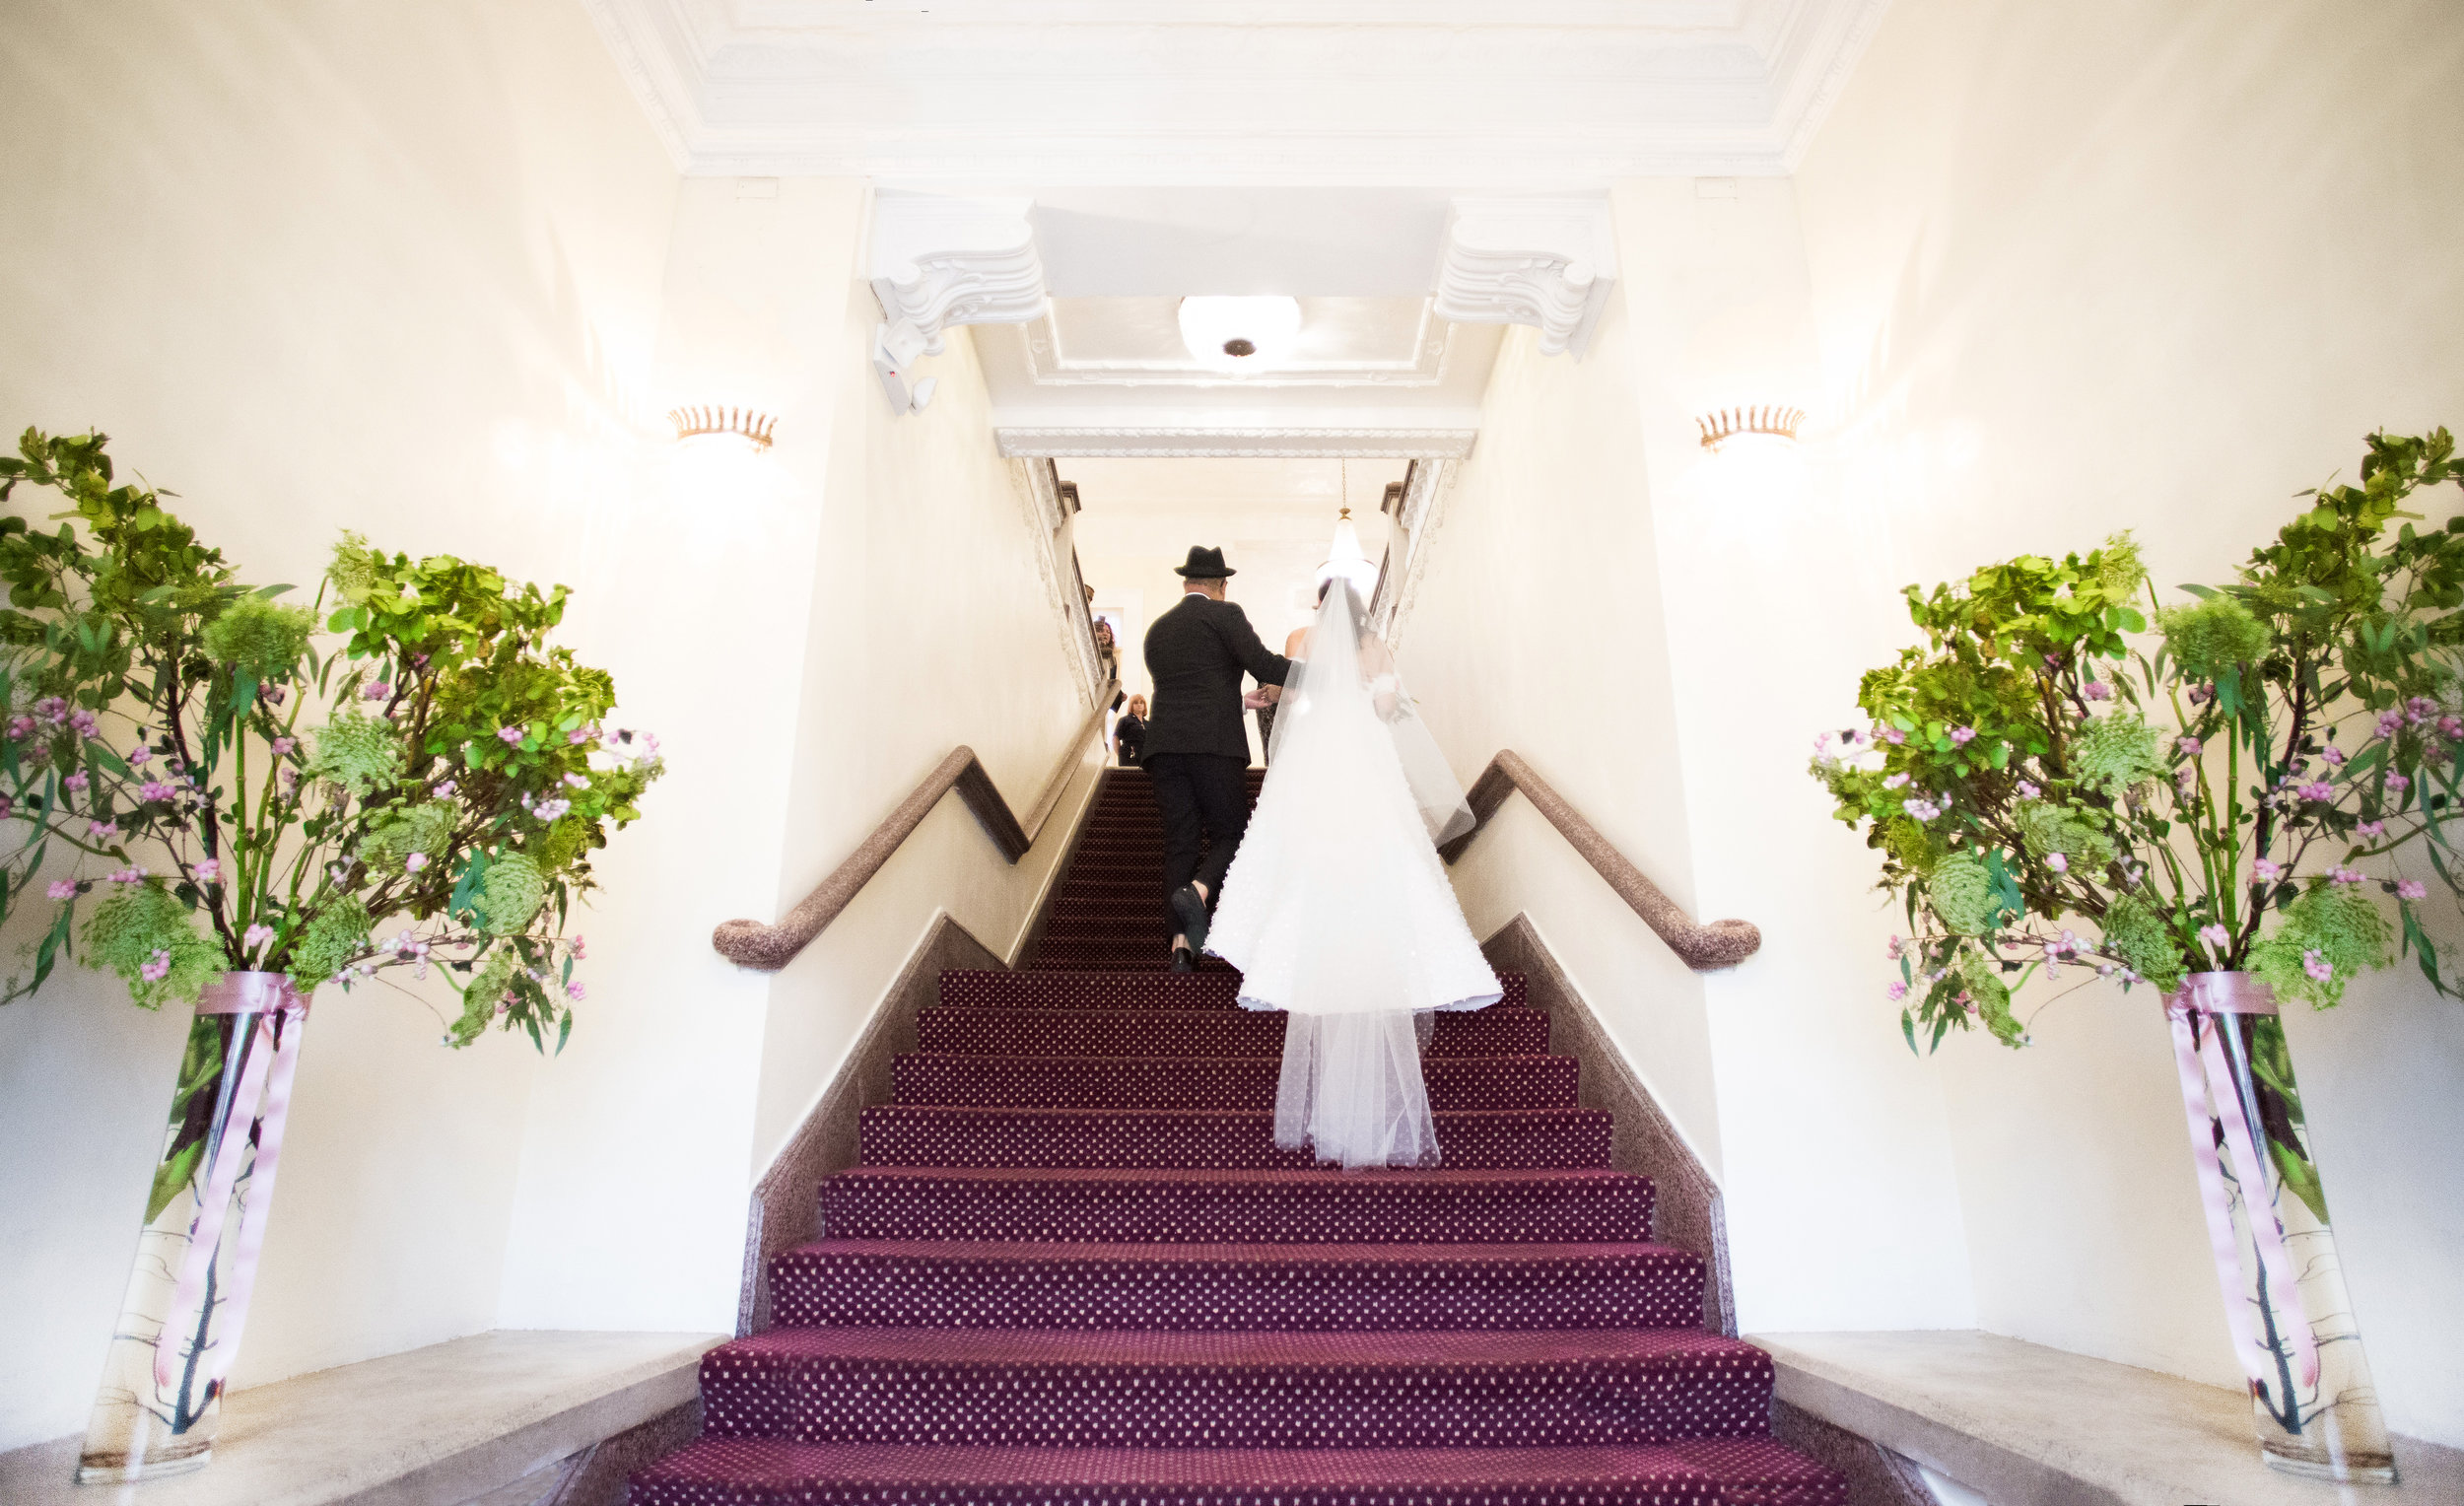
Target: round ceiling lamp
(1238, 333)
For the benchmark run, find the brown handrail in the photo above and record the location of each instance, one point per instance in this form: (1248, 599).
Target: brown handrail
(1705, 948)
(760, 944)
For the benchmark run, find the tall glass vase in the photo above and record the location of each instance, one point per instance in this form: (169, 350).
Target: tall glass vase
(161, 1391)
(2293, 1325)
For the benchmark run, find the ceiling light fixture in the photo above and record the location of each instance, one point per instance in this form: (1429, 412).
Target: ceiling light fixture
(744, 422)
(1729, 423)
(1236, 333)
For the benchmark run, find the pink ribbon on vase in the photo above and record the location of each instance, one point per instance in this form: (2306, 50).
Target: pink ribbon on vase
(2211, 1100)
(273, 1013)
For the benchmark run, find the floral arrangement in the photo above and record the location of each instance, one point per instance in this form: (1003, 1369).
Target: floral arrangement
(236, 798)
(2067, 773)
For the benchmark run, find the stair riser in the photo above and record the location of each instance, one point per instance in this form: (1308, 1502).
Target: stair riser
(1058, 990)
(920, 1135)
(952, 1400)
(861, 1204)
(1687, 1490)
(1236, 1083)
(810, 1289)
(1496, 1032)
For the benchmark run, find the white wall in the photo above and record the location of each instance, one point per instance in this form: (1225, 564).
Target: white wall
(932, 625)
(2112, 265)
(314, 266)
(1537, 624)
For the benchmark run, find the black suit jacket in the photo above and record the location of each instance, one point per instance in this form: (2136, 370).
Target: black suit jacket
(1196, 654)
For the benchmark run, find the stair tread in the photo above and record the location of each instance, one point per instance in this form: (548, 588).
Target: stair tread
(1156, 1349)
(1029, 1252)
(1684, 1473)
(1142, 1175)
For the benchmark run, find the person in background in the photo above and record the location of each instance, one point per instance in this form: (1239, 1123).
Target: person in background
(1104, 643)
(1128, 734)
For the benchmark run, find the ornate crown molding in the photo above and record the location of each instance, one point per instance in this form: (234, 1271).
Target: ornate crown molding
(937, 262)
(1050, 365)
(1545, 263)
(1214, 443)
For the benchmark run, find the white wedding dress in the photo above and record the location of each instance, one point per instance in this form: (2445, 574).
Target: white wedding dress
(1337, 907)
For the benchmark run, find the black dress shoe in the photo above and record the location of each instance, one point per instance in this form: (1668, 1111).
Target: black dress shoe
(1184, 960)
(1188, 908)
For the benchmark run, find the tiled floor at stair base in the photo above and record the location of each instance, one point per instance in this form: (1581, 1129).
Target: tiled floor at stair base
(1073, 1270)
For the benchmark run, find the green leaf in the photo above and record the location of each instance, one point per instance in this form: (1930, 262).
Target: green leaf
(173, 1174)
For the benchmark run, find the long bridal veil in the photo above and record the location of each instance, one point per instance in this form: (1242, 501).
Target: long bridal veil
(1337, 907)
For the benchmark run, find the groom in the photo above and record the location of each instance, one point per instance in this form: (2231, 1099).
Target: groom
(1196, 748)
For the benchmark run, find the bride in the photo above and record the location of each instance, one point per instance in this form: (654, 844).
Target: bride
(1337, 907)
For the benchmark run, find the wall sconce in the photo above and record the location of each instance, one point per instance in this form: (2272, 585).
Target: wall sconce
(744, 422)
(1772, 423)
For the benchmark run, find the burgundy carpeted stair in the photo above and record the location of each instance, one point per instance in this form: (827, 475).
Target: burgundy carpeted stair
(1073, 1270)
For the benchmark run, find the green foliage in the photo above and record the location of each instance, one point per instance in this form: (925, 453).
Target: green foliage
(510, 893)
(1990, 995)
(357, 753)
(142, 928)
(2301, 719)
(426, 829)
(331, 942)
(1964, 895)
(2110, 754)
(481, 996)
(2331, 925)
(2214, 638)
(2138, 937)
(256, 635)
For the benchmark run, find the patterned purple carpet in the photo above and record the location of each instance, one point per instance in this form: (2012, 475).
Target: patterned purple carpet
(1073, 1270)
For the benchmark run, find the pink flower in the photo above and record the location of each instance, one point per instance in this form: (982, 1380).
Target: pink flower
(2334, 756)
(128, 876)
(1921, 808)
(2373, 830)
(8, 808)
(1898, 991)
(62, 889)
(83, 723)
(2317, 966)
(1894, 737)
(1892, 951)
(2216, 936)
(158, 968)
(577, 781)
(378, 691)
(256, 935)
(52, 709)
(2268, 869)
(21, 727)
(443, 789)
(576, 946)
(2057, 862)
(549, 810)
(1894, 780)
(2190, 746)
(575, 991)
(2028, 790)
(2411, 889)
(2419, 709)
(2097, 690)
(76, 782)
(2201, 694)
(509, 736)
(103, 830)
(155, 789)
(284, 745)
(2317, 789)
(2398, 782)
(139, 756)
(209, 871)
(2451, 727)
(2344, 875)
(1961, 735)
(2389, 723)
(415, 862)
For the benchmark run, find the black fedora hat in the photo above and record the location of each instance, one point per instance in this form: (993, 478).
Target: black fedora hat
(1204, 565)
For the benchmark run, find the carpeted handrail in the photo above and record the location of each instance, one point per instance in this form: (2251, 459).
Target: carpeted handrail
(767, 947)
(1703, 948)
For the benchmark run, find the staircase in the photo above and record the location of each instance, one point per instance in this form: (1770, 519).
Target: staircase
(1073, 1270)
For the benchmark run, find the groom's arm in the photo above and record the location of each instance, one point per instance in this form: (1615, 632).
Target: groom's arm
(1264, 665)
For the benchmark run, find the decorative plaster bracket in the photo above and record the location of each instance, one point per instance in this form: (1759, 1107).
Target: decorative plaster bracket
(1545, 263)
(939, 262)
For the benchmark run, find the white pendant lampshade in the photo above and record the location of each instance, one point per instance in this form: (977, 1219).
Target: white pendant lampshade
(1348, 559)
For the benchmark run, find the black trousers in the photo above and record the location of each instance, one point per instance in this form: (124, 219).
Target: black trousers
(1200, 794)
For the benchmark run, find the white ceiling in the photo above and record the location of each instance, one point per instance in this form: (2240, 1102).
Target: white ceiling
(1522, 95)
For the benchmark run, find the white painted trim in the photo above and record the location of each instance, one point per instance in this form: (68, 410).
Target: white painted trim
(1210, 444)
